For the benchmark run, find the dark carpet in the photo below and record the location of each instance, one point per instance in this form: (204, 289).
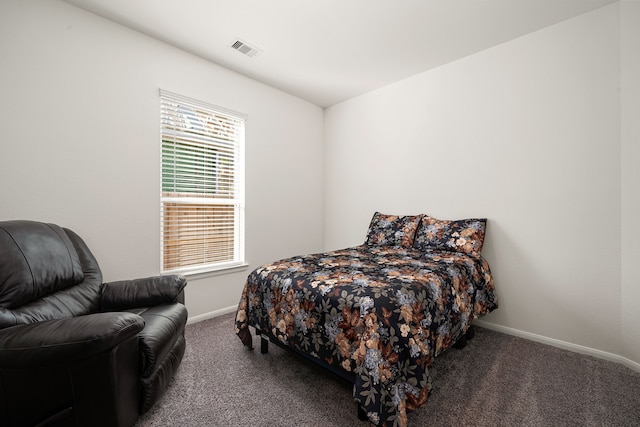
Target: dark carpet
(496, 380)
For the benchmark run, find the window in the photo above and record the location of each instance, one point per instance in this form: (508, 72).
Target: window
(202, 200)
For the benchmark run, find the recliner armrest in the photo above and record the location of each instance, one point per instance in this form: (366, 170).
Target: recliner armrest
(147, 292)
(65, 340)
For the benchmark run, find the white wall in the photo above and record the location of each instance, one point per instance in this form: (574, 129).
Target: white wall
(630, 43)
(79, 113)
(527, 134)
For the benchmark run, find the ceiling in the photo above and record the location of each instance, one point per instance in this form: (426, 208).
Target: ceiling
(327, 51)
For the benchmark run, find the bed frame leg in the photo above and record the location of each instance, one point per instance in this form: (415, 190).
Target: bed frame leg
(461, 343)
(471, 332)
(362, 414)
(264, 344)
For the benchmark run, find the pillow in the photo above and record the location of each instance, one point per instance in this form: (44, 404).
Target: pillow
(392, 230)
(464, 235)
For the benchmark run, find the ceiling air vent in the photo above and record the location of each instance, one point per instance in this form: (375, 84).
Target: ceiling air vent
(246, 48)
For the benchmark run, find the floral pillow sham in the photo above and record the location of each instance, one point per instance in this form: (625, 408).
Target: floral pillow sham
(464, 235)
(392, 230)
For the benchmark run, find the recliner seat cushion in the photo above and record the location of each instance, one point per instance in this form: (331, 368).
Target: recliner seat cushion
(72, 302)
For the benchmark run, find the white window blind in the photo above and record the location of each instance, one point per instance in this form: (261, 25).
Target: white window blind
(202, 200)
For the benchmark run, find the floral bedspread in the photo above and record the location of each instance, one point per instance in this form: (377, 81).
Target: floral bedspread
(381, 312)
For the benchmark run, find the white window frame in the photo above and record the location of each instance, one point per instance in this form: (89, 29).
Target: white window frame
(197, 188)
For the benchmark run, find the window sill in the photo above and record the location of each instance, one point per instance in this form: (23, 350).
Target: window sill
(209, 272)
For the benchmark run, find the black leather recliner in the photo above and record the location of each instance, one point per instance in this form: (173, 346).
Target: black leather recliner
(75, 351)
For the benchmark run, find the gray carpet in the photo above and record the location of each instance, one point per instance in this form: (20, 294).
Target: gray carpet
(496, 380)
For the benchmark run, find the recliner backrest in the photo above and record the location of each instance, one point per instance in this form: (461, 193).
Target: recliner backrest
(46, 272)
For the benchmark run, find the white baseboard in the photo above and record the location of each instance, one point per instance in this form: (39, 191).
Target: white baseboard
(560, 344)
(211, 314)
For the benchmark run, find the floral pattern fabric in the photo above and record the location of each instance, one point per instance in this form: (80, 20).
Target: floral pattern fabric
(382, 313)
(464, 235)
(392, 230)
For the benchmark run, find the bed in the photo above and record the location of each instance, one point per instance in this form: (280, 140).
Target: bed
(379, 313)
